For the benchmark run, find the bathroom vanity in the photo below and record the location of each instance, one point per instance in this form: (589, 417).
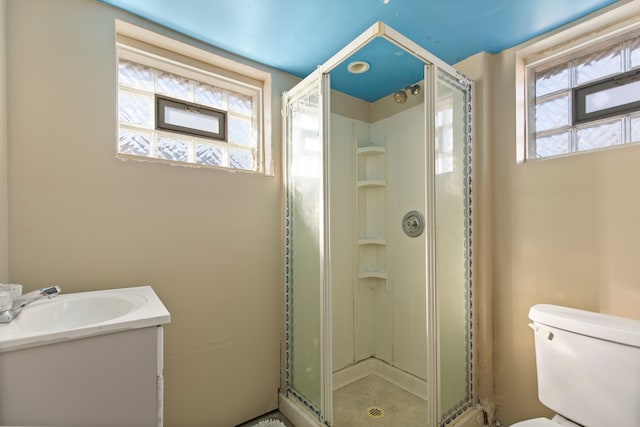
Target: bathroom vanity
(85, 359)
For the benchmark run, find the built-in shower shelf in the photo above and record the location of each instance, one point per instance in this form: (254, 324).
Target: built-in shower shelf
(379, 242)
(371, 183)
(371, 150)
(372, 275)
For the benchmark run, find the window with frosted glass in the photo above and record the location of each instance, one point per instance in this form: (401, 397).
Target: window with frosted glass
(191, 119)
(585, 102)
(223, 116)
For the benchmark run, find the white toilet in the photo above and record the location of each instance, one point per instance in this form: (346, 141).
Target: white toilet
(588, 368)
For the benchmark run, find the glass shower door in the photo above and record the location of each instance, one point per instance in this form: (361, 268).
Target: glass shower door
(305, 243)
(453, 242)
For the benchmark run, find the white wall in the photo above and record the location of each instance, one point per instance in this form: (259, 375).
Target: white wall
(207, 240)
(565, 231)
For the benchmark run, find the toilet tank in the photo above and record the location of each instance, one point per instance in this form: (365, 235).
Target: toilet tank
(588, 365)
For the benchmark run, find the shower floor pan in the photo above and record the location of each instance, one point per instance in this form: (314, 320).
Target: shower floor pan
(372, 401)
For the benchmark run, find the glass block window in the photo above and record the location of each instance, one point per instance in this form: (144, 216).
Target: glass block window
(232, 106)
(577, 103)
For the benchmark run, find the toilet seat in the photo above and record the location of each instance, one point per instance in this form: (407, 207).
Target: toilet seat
(536, 422)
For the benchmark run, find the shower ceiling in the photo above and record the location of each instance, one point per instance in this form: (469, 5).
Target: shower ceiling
(298, 35)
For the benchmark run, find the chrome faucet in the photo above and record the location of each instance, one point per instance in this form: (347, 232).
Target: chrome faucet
(22, 301)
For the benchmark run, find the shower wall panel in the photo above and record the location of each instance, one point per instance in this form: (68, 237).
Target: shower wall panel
(386, 322)
(402, 337)
(344, 132)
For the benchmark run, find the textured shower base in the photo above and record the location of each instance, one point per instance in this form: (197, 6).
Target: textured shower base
(401, 408)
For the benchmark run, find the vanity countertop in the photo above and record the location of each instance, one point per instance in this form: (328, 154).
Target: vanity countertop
(83, 314)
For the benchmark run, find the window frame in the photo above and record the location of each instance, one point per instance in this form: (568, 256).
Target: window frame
(162, 101)
(580, 94)
(620, 25)
(166, 54)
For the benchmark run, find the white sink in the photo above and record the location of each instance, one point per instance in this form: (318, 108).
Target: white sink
(83, 314)
(77, 310)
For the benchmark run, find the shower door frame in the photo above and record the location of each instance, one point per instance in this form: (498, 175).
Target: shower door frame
(324, 411)
(432, 65)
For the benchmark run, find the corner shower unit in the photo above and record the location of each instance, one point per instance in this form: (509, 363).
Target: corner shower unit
(378, 260)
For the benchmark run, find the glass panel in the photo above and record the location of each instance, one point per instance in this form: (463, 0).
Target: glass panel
(552, 114)
(209, 95)
(135, 75)
(173, 149)
(240, 159)
(552, 80)
(240, 103)
(135, 109)
(304, 241)
(599, 64)
(599, 136)
(189, 119)
(634, 53)
(136, 143)
(453, 250)
(553, 145)
(173, 85)
(612, 97)
(240, 131)
(444, 135)
(635, 129)
(209, 155)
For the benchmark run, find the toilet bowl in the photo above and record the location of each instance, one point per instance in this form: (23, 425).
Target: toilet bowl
(588, 368)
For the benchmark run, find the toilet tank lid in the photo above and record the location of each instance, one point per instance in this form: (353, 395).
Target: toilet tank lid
(597, 325)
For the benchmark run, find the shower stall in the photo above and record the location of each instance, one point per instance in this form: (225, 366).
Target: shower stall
(378, 238)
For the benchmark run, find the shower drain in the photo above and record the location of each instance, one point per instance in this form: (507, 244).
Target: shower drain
(375, 412)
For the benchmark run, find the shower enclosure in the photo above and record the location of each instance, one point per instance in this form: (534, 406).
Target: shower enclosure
(378, 262)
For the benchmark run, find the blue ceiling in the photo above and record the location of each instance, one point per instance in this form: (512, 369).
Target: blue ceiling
(298, 35)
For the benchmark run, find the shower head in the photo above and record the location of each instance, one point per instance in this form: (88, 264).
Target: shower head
(414, 89)
(400, 97)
